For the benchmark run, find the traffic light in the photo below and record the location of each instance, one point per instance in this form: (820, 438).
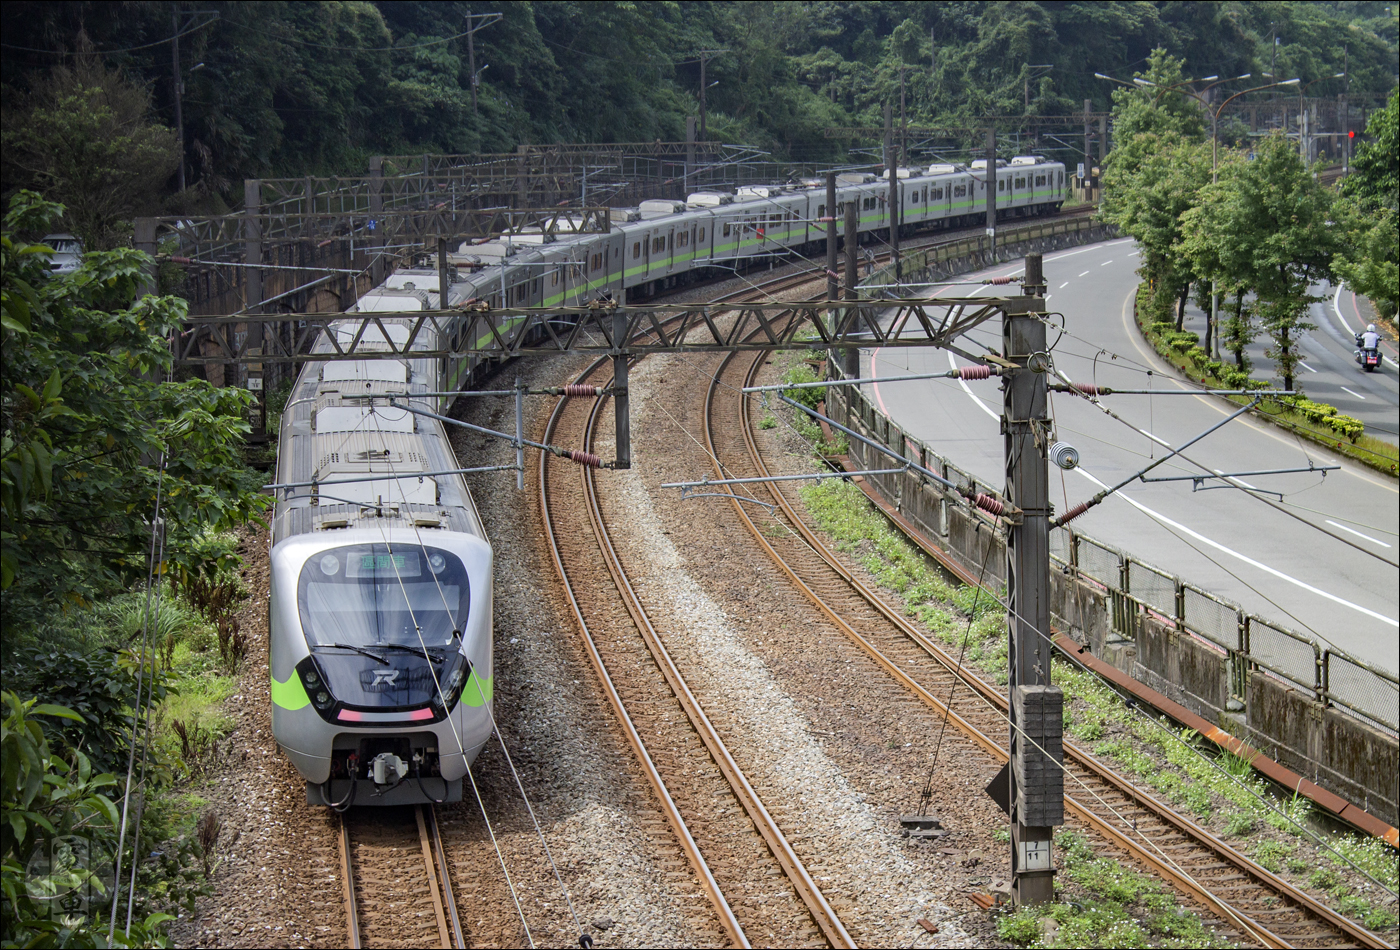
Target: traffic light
(1351, 134)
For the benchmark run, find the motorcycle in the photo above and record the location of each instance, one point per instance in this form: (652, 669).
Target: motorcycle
(1368, 357)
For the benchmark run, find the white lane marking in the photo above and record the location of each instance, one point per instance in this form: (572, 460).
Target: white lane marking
(1132, 253)
(1107, 262)
(1048, 296)
(1309, 368)
(1353, 392)
(1357, 533)
(1163, 519)
(1063, 286)
(1157, 516)
(1336, 306)
(1081, 275)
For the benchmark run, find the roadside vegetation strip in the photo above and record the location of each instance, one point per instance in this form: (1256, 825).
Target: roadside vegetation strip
(1342, 434)
(1177, 764)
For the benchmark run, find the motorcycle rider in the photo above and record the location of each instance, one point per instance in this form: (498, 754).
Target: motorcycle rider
(1370, 340)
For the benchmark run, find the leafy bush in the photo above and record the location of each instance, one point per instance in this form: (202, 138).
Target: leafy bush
(98, 688)
(1347, 426)
(803, 373)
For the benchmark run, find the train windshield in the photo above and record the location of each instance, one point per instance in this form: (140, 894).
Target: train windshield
(367, 594)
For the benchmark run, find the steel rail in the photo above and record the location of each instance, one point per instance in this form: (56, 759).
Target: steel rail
(347, 882)
(429, 861)
(807, 889)
(1189, 829)
(668, 806)
(449, 896)
(691, 848)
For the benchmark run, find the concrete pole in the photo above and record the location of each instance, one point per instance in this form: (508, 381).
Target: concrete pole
(376, 212)
(850, 356)
(621, 406)
(892, 168)
(832, 284)
(1037, 780)
(253, 254)
(991, 177)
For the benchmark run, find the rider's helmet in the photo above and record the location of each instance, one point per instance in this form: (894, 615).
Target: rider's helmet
(1370, 328)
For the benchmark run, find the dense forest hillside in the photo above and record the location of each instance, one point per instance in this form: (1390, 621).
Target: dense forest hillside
(285, 89)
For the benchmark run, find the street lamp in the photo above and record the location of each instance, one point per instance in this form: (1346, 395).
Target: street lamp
(1215, 118)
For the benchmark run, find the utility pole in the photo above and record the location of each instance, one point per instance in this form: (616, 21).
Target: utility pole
(1036, 768)
(832, 284)
(1346, 112)
(893, 171)
(486, 20)
(903, 120)
(991, 180)
(705, 55)
(850, 356)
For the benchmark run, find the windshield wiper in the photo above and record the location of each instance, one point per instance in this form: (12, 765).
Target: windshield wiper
(433, 652)
(351, 646)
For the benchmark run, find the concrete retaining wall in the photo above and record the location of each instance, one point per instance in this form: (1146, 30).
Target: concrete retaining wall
(1338, 751)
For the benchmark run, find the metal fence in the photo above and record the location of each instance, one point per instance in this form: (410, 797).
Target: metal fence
(1134, 587)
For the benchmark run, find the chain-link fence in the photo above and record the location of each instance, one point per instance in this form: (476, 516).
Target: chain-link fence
(1212, 618)
(1250, 642)
(1156, 589)
(1098, 561)
(1370, 693)
(1283, 652)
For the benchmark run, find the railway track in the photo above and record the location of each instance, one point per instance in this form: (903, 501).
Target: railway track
(395, 882)
(728, 837)
(1247, 899)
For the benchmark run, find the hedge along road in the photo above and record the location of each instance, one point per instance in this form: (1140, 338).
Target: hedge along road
(1223, 540)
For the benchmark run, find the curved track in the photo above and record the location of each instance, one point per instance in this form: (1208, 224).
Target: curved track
(395, 884)
(1246, 897)
(732, 843)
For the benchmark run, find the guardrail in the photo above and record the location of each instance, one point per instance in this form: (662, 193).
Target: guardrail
(1133, 589)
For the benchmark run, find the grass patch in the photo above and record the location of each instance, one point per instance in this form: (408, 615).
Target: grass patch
(1222, 791)
(1113, 906)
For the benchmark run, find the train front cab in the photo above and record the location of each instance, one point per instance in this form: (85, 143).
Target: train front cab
(330, 714)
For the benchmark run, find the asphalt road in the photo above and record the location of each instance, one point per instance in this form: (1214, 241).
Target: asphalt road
(1294, 566)
(1329, 372)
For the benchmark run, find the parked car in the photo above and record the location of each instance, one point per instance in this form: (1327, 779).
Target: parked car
(67, 253)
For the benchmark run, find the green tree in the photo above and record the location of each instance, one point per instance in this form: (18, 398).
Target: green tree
(1146, 196)
(1266, 228)
(87, 420)
(84, 136)
(1155, 108)
(1372, 190)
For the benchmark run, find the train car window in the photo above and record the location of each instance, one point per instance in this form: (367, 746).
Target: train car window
(702, 235)
(554, 279)
(636, 249)
(925, 193)
(1039, 180)
(617, 252)
(1020, 183)
(537, 286)
(960, 191)
(1001, 185)
(840, 208)
(821, 211)
(726, 229)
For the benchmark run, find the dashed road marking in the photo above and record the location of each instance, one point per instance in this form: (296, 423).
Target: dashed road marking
(1357, 533)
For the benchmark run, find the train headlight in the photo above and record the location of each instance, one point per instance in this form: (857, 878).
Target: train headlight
(323, 699)
(330, 564)
(452, 678)
(437, 562)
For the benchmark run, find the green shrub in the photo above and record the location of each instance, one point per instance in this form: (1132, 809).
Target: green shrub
(803, 373)
(1347, 426)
